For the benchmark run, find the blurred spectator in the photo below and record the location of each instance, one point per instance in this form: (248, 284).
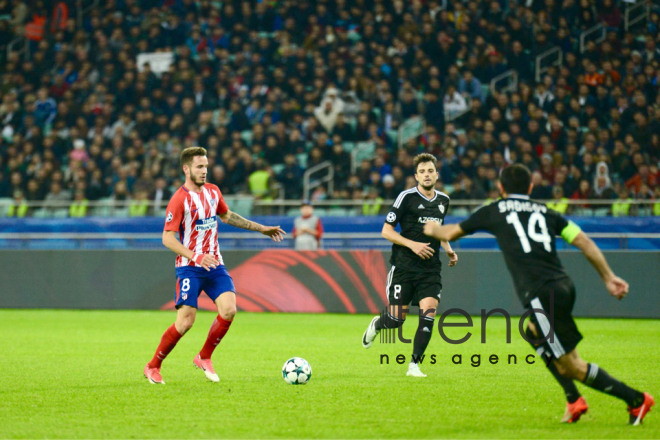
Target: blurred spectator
(622, 206)
(470, 87)
(330, 108)
(291, 177)
(56, 197)
(262, 181)
(278, 81)
(19, 207)
(583, 192)
(162, 194)
(453, 102)
(307, 229)
(139, 204)
(78, 207)
(559, 203)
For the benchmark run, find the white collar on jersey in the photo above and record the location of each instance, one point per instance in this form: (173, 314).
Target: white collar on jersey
(435, 194)
(518, 196)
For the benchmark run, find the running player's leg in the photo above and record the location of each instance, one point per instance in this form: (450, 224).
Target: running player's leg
(427, 310)
(220, 288)
(186, 303)
(576, 406)
(186, 293)
(185, 318)
(570, 390)
(427, 291)
(226, 304)
(562, 341)
(573, 366)
(399, 293)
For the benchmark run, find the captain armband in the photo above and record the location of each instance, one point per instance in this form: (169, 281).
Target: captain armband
(570, 232)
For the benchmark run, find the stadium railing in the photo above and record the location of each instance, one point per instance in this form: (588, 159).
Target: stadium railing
(82, 9)
(583, 36)
(629, 17)
(329, 178)
(24, 47)
(410, 129)
(539, 69)
(248, 205)
(252, 241)
(510, 86)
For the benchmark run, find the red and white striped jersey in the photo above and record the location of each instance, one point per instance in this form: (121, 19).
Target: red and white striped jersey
(194, 216)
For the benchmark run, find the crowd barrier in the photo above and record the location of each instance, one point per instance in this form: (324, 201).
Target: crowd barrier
(310, 282)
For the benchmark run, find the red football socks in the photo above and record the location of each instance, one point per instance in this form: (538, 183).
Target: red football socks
(218, 330)
(167, 344)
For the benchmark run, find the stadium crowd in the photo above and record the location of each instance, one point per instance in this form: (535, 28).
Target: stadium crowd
(271, 88)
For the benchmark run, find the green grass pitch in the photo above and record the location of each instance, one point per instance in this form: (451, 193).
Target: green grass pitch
(78, 374)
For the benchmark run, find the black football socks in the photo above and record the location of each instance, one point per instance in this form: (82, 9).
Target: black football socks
(598, 379)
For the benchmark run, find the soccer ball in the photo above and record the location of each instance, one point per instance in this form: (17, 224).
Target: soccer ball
(296, 371)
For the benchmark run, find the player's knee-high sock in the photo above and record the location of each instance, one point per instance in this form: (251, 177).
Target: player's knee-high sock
(167, 344)
(388, 321)
(598, 379)
(570, 390)
(218, 331)
(422, 338)
(389, 324)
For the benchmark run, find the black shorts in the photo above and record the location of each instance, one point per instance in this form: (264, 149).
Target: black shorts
(557, 296)
(408, 288)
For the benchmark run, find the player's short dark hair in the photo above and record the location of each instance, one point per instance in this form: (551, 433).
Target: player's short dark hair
(515, 179)
(423, 158)
(190, 152)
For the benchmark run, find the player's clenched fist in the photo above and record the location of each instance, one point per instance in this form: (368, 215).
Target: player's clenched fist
(617, 287)
(206, 261)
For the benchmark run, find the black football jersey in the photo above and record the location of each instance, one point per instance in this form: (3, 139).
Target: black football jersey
(525, 231)
(412, 210)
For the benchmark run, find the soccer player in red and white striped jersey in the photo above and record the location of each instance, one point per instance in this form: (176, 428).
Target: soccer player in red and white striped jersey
(192, 212)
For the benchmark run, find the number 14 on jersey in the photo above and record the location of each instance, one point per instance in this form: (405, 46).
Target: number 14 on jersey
(536, 218)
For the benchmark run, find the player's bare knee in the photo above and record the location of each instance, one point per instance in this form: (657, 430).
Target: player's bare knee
(185, 324)
(228, 314)
(563, 369)
(430, 312)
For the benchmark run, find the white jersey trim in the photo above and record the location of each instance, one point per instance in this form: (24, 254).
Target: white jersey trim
(399, 200)
(426, 198)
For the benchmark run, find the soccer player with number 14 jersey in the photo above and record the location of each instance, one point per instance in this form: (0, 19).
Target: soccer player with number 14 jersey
(192, 212)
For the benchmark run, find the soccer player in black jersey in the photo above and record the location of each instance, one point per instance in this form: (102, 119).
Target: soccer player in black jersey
(525, 232)
(415, 274)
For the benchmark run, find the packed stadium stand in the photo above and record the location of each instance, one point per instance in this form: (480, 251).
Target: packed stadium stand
(327, 100)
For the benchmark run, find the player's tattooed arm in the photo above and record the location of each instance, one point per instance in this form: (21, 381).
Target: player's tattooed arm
(238, 221)
(274, 232)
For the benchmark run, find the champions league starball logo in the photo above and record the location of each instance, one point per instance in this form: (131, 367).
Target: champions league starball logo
(391, 217)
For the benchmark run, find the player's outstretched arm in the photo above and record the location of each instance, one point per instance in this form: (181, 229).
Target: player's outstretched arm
(617, 287)
(206, 261)
(444, 233)
(274, 232)
(423, 250)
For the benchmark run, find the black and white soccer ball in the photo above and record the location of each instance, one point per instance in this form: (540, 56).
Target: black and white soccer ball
(296, 371)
